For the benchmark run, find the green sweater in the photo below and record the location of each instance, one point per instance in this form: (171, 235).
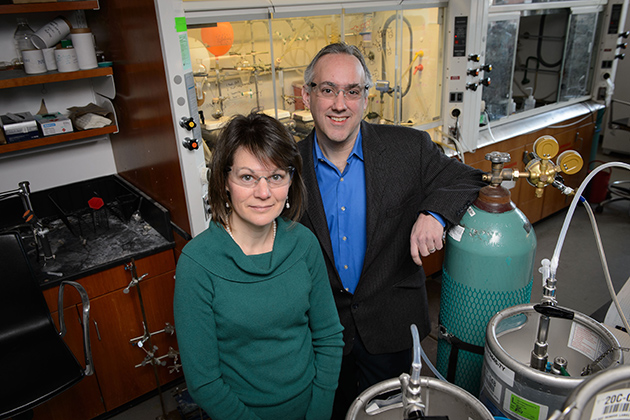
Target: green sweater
(259, 336)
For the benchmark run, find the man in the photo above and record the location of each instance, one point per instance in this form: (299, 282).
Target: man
(379, 199)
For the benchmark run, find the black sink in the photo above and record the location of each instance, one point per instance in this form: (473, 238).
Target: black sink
(91, 226)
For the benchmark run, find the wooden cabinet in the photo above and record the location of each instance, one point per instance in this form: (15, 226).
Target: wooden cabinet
(122, 369)
(102, 80)
(120, 363)
(48, 7)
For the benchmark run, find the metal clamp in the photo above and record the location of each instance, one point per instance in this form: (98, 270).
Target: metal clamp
(168, 328)
(134, 281)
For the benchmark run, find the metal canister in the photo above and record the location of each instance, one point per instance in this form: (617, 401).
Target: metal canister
(513, 389)
(441, 399)
(603, 395)
(488, 266)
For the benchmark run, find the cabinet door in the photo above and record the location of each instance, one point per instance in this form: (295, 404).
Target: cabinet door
(120, 319)
(157, 296)
(114, 278)
(82, 401)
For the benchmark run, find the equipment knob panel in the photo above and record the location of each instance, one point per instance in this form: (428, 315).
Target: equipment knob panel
(188, 123)
(190, 144)
(473, 72)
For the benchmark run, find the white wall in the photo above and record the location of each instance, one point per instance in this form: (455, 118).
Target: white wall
(50, 168)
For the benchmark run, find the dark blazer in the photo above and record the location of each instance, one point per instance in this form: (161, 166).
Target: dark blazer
(405, 173)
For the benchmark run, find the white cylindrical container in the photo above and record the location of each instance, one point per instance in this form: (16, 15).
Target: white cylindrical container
(49, 59)
(66, 60)
(83, 43)
(50, 34)
(33, 61)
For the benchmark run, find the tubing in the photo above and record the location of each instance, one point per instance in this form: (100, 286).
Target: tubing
(431, 367)
(416, 364)
(578, 195)
(418, 352)
(602, 257)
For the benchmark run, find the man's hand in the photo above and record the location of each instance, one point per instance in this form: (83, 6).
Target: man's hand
(426, 237)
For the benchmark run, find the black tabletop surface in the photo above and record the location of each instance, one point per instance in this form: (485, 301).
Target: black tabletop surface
(83, 240)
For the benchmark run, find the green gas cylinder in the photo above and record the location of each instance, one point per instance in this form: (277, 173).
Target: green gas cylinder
(488, 266)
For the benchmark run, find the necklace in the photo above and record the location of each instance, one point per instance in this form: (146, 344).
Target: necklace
(229, 231)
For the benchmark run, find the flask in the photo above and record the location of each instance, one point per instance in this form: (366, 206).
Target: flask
(22, 39)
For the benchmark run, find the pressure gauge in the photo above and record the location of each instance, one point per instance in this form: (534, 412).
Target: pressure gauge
(546, 147)
(570, 162)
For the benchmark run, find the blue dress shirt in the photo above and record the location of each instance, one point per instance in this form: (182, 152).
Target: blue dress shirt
(343, 195)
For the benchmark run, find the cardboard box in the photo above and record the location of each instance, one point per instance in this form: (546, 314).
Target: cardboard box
(19, 126)
(51, 124)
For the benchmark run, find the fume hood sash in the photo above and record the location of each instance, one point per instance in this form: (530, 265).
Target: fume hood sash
(204, 17)
(547, 5)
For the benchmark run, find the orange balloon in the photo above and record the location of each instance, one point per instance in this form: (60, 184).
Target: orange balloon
(218, 39)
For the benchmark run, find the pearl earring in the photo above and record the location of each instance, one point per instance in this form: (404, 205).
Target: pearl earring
(227, 205)
(287, 205)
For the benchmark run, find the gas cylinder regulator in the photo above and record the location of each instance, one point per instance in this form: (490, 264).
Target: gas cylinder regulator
(540, 171)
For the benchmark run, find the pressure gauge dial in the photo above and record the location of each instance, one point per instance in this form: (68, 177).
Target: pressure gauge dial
(570, 162)
(546, 147)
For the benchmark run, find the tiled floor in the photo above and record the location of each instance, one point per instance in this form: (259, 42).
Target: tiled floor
(581, 285)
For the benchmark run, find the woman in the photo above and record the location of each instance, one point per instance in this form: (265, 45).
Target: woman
(257, 328)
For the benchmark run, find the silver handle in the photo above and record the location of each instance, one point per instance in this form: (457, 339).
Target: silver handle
(98, 333)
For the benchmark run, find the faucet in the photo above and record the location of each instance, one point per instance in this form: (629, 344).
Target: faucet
(39, 231)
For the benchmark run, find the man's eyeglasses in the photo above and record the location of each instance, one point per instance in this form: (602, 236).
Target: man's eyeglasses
(279, 178)
(330, 91)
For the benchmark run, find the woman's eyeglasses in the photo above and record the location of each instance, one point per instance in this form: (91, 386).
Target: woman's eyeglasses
(247, 179)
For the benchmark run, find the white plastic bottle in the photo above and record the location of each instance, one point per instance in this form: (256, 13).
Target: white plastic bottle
(530, 102)
(22, 39)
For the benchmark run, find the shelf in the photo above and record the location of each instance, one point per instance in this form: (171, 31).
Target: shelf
(60, 138)
(17, 78)
(59, 6)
